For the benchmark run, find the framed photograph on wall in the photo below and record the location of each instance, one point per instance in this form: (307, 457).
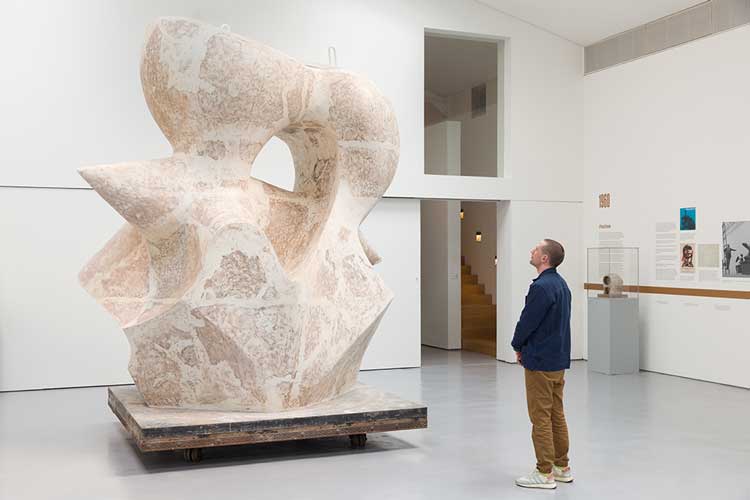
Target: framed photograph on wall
(687, 219)
(735, 245)
(688, 257)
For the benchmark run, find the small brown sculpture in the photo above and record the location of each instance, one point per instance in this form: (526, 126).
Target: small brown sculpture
(612, 286)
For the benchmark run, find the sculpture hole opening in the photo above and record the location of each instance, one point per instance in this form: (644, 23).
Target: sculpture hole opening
(275, 165)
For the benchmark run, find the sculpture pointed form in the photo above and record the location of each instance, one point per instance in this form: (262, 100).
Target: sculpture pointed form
(233, 293)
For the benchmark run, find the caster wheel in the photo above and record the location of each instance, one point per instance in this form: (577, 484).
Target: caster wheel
(358, 440)
(192, 455)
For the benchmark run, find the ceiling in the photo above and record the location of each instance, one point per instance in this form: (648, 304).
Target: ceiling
(452, 65)
(588, 21)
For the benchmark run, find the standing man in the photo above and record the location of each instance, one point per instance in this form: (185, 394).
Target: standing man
(542, 345)
(727, 257)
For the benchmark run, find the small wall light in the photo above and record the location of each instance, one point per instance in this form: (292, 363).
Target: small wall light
(478, 237)
(461, 214)
(496, 260)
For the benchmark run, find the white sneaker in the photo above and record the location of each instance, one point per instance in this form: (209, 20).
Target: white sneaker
(537, 480)
(564, 475)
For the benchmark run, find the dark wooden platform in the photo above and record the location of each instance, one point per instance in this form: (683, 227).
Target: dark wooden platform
(362, 410)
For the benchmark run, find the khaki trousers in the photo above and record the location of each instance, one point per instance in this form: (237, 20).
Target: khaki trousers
(544, 397)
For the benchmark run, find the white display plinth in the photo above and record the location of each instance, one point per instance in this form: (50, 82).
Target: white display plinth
(613, 335)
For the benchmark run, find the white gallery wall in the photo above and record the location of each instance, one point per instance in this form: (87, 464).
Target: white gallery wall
(441, 274)
(442, 148)
(71, 97)
(53, 334)
(521, 226)
(75, 98)
(664, 132)
(480, 136)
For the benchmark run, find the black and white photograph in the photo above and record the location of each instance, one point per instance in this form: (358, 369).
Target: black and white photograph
(735, 239)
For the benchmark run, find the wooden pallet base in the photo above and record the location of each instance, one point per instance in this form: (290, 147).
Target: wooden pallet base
(362, 410)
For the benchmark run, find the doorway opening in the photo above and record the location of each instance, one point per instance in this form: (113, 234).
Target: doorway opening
(459, 242)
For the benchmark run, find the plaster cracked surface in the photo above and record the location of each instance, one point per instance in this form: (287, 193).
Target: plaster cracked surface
(233, 293)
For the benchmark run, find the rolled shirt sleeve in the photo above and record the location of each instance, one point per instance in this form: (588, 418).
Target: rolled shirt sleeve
(538, 303)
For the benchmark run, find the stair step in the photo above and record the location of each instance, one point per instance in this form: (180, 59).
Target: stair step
(467, 289)
(477, 309)
(479, 332)
(469, 298)
(478, 319)
(469, 279)
(465, 269)
(483, 346)
(477, 322)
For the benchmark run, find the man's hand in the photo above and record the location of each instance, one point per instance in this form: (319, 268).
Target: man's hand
(518, 357)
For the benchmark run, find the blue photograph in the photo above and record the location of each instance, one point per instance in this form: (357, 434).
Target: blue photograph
(687, 219)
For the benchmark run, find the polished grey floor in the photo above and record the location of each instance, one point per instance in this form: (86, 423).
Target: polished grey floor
(633, 437)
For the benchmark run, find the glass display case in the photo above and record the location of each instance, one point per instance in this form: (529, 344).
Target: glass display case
(612, 272)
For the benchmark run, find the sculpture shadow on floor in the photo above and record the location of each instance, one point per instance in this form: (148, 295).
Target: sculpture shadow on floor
(128, 461)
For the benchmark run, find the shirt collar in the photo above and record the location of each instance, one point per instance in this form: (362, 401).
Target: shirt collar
(546, 271)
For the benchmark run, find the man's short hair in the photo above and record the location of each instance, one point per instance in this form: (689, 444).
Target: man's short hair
(554, 251)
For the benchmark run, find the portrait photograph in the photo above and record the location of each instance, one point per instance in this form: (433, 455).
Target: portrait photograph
(688, 257)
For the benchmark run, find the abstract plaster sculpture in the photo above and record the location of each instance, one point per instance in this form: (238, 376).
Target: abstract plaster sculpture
(612, 286)
(233, 293)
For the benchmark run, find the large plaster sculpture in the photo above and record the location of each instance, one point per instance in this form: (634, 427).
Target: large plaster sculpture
(233, 293)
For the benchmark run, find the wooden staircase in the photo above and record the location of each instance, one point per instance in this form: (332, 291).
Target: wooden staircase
(478, 315)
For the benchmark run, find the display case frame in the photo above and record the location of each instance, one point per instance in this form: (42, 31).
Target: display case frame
(613, 272)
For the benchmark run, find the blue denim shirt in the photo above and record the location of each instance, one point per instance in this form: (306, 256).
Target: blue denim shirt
(542, 334)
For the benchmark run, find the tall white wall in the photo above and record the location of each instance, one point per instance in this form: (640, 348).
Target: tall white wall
(480, 135)
(74, 93)
(442, 148)
(521, 225)
(71, 96)
(664, 132)
(440, 270)
(392, 228)
(52, 333)
(482, 217)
